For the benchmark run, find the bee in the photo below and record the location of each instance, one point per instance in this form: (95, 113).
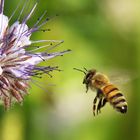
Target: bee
(105, 91)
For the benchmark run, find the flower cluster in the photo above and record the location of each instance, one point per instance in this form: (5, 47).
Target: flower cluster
(17, 65)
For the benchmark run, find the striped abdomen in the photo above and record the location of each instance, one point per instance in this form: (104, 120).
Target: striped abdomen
(115, 97)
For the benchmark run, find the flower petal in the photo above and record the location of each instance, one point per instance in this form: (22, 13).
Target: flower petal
(3, 25)
(19, 33)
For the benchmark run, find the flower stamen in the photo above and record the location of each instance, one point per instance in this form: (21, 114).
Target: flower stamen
(17, 63)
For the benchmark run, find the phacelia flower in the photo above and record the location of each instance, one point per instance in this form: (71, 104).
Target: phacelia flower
(18, 63)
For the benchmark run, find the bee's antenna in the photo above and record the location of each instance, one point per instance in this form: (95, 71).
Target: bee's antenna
(80, 70)
(85, 69)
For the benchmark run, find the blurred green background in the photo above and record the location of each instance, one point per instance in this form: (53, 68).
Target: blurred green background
(102, 34)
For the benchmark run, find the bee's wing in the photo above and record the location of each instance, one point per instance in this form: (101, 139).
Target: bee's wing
(122, 77)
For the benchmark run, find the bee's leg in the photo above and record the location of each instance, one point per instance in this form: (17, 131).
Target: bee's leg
(99, 105)
(104, 102)
(94, 104)
(100, 97)
(87, 88)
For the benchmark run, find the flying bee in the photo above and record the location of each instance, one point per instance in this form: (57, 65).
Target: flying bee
(106, 91)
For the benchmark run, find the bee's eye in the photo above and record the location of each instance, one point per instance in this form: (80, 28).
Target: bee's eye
(87, 76)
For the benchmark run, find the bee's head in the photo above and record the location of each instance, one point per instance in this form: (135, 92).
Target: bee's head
(88, 74)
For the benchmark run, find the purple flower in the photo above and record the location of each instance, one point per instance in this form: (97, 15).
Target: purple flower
(17, 65)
